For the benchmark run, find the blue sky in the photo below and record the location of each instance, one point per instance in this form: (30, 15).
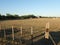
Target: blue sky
(36, 7)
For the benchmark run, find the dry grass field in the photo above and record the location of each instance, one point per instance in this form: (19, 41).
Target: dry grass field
(38, 25)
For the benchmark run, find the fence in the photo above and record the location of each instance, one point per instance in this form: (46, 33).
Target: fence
(8, 37)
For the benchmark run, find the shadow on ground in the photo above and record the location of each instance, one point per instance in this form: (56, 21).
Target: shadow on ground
(7, 33)
(55, 36)
(42, 41)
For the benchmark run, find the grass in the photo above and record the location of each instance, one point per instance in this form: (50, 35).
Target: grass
(37, 24)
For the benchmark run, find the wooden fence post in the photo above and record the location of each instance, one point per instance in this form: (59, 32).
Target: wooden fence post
(0, 31)
(21, 31)
(4, 34)
(21, 35)
(0, 27)
(52, 40)
(4, 39)
(47, 25)
(31, 30)
(47, 35)
(12, 35)
(32, 35)
(47, 31)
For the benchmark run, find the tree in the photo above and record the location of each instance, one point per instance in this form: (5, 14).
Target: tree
(9, 16)
(28, 16)
(0, 16)
(3, 17)
(16, 16)
(40, 16)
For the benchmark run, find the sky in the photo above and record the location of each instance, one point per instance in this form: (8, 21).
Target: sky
(25, 7)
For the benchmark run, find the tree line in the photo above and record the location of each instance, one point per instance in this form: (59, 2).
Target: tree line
(15, 16)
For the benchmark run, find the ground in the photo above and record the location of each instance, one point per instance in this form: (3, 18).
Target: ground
(38, 25)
